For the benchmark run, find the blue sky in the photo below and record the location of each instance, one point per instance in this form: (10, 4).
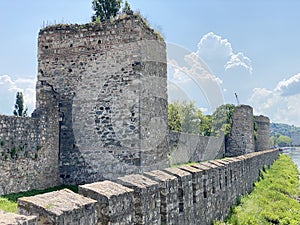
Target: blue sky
(250, 47)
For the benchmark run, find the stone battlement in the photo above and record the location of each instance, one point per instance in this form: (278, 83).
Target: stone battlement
(194, 194)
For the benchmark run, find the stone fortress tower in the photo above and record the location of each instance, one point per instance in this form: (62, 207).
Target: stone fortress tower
(242, 139)
(109, 84)
(262, 139)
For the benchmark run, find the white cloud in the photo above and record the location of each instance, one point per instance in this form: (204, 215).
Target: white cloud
(213, 47)
(189, 74)
(283, 109)
(239, 60)
(290, 86)
(8, 90)
(218, 52)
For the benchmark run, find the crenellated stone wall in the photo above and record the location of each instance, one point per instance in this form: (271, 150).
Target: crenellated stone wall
(190, 194)
(110, 81)
(29, 150)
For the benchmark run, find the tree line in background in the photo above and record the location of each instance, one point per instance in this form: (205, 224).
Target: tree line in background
(185, 117)
(280, 134)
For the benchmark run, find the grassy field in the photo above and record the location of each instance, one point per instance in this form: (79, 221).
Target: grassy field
(274, 200)
(8, 203)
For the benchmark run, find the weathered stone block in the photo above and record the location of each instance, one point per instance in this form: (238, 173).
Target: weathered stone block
(185, 195)
(14, 219)
(62, 207)
(198, 192)
(146, 198)
(168, 186)
(115, 202)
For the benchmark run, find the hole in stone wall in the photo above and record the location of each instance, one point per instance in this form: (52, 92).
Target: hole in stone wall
(70, 70)
(99, 41)
(205, 194)
(71, 45)
(46, 47)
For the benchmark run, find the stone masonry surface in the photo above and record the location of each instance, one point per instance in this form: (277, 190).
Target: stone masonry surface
(184, 147)
(110, 85)
(28, 152)
(14, 219)
(146, 198)
(60, 207)
(189, 195)
(263, 132)
(115, 203)
(241, 139)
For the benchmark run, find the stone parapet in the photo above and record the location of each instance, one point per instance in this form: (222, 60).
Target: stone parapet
(190, 194)
(59, 208)
(115, 203)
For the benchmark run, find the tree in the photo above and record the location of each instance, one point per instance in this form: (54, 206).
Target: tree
(104, 9)
(283, 141)
(190, 119)
(183, 117)
(205, 124)
(222, 119)
(20, 109)
(174, 117)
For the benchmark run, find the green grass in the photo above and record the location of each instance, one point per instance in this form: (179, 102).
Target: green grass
(8, 203)
(274, 200)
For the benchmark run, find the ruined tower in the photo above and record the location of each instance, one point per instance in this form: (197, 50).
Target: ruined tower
(262, 138)
(241, 138)
(109, 82)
